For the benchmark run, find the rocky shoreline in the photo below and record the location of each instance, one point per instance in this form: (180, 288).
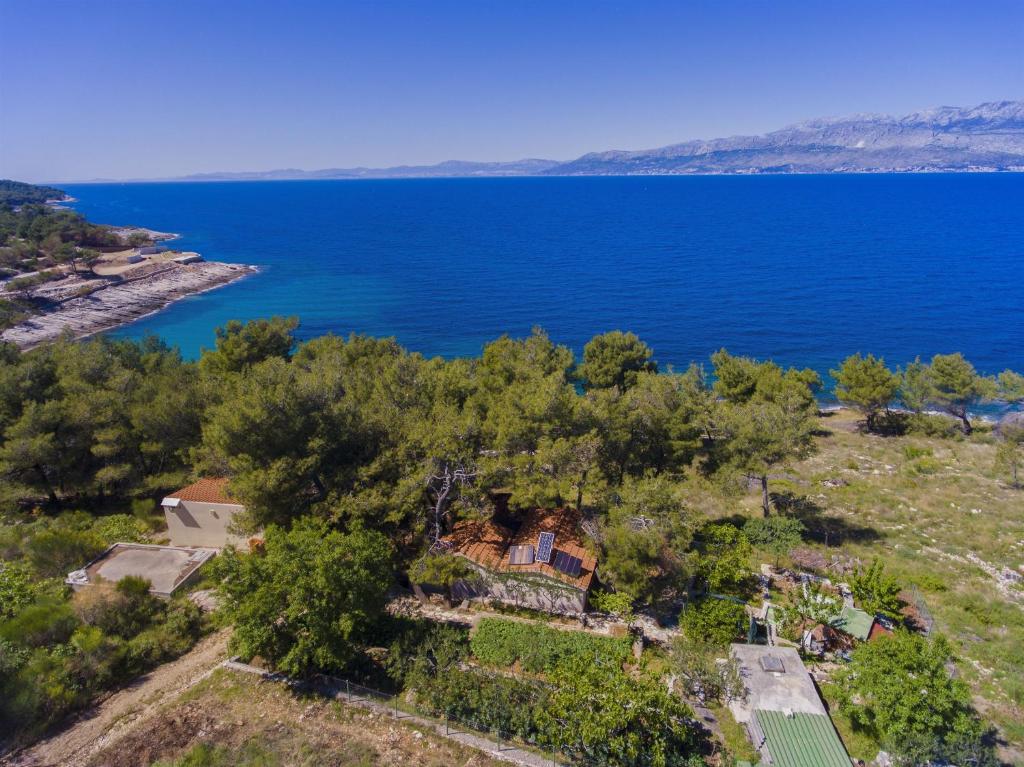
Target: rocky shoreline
(122, 302)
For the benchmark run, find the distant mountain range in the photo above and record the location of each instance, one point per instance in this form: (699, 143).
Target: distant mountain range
(985, 138)
(988, 137)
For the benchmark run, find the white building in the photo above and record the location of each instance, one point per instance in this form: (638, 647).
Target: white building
(202, 515)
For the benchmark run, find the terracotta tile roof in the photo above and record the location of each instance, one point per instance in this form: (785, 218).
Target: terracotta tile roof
(206, 490)
(481, 541)
(487, 543)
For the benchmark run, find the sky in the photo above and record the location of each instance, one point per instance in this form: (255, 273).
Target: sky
(160, 88)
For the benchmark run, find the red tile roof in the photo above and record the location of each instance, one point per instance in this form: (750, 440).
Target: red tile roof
(481, 541)
(207, 490)
(487, 543)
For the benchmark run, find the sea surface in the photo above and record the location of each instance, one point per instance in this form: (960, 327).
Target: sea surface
(801, 269)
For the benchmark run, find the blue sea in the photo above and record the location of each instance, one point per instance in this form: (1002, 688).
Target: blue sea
(801, 269)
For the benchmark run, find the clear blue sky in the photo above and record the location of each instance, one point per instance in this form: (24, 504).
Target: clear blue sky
(124, 89)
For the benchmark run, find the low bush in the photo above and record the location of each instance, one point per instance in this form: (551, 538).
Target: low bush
(488, 703)
(499, 642)
(910, 452)
(716, 622)
(56, 655)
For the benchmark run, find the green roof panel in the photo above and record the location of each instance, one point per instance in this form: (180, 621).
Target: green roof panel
(854, 622)
(801, 740)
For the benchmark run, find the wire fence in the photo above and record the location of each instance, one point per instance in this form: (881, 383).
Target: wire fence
(474, 734)
(500, 742)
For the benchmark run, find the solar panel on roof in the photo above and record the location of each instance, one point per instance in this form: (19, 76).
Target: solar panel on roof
(544, 545)
(568, 564)
(772, 663)
(520, 555)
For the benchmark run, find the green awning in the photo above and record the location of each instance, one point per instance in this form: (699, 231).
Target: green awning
(854, 622)
(801, 740)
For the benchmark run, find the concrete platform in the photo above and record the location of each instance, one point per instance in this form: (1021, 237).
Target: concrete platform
(791, 689)
(167, 568)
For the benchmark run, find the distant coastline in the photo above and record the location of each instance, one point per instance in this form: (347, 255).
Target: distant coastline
(61, 274)
(988, 138)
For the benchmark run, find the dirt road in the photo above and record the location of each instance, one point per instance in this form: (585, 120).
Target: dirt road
(110, 719)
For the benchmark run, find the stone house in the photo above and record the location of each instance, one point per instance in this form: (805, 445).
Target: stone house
(543, 565)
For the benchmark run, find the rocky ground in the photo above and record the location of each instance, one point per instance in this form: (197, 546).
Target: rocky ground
(118, 303)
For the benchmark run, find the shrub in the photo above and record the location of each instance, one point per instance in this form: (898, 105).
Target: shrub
(713, 621)
(16, 589)
(489, 703)
(776, 534)
(924, 466)
(57, 551)
(601, 716)
(120, 528)
(910, 452)
(618, 604)
(877, 592)
(123, 609)
(43, 623)
(499, 642)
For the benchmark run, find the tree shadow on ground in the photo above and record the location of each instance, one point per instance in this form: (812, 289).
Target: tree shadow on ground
(887, 424)
(821, 527)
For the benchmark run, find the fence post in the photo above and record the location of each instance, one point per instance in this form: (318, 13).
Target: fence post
(445, 722)
(396, 705)
(348, 692)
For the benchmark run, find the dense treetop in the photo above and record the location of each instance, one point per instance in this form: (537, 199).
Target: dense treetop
(335, 447)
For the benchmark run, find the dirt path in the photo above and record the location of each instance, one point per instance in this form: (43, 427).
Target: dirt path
(111, 718)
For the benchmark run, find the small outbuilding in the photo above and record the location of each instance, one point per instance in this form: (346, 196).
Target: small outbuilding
(782, 711)
(202, 515)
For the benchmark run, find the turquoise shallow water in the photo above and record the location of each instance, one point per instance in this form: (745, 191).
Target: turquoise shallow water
(804, 269)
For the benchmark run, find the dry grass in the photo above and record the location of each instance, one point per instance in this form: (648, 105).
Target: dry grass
(938, 514)
(236, 720)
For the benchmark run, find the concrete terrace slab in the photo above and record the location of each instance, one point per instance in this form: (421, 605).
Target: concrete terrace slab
(791, 690)
(167, 568)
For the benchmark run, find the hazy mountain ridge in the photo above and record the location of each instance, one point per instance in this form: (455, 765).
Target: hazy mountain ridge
(988, 137)
(447, 169)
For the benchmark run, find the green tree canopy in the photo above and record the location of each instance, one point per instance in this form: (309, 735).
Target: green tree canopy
(242, 345)
(900, 688)
(955, 387)
(877, 592)
(646, 536)
(724, 561)
(614, 359)
(866, 384)
(1010, 386)
(713, 621)
(599, 716)
(769, 416)
(764, 434)
(310, 598)
(776, 534)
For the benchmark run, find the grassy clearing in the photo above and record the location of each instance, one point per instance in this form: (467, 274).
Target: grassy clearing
(860, 744)
(941, 517)
(734, 736)
(233, 720)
